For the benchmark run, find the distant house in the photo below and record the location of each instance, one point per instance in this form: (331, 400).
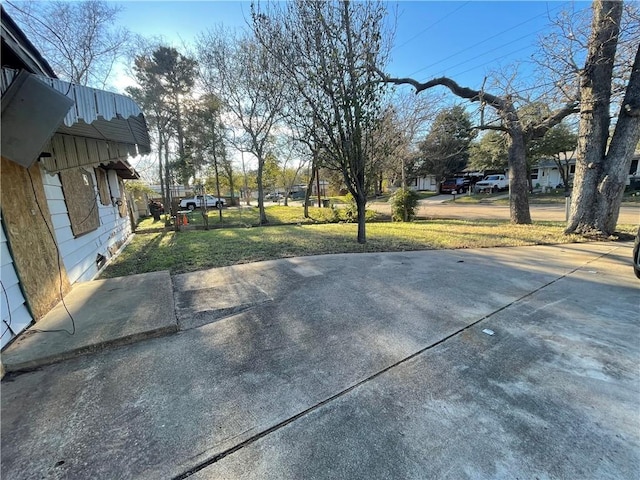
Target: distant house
(426, 183)
(546, 174)
(63, 207)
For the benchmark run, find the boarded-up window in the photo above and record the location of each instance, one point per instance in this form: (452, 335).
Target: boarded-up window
(123, 199)
(81, 199)
(103, 186)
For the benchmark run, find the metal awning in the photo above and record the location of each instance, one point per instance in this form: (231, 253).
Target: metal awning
(101, 127)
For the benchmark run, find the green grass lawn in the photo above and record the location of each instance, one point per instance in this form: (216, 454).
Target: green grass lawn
(193, 250)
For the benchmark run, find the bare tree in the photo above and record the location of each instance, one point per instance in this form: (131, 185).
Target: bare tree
(79, 39)
(520, 133)
(602, 161)
(327, 51)
(238, 70)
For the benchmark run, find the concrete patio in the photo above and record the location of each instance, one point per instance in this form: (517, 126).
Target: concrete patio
(492, 363)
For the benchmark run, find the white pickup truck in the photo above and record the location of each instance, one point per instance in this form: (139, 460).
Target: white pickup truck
(492, 183)
(201, 200)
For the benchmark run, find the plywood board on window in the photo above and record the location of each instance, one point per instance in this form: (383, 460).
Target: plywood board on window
(29, 234)
(103, 186)
(81, 199)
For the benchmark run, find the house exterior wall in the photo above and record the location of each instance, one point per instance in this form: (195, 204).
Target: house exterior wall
(546, 177)
(15, 314)
(79, 254)
(427, 183)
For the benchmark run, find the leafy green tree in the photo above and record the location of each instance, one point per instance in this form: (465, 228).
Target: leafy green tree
(176, 74)
(490, 152)
(165, 79)
(445, 150)
(559, 143)
(271, 171)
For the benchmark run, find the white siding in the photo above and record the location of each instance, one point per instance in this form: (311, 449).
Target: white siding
(79, 254)
(427, 183)
(15, 315)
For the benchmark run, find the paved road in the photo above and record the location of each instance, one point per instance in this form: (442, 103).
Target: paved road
(467, 364)
(434, 208)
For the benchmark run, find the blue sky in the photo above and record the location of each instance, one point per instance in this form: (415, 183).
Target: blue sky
(460, 39)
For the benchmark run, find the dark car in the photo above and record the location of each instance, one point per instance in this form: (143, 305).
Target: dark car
(458, 185)
(636, 254)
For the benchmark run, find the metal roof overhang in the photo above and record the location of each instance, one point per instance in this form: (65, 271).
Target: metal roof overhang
(101, 128)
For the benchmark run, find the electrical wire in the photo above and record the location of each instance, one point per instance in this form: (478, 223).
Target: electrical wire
(73, 323)
(4, 290)
(488, 39)
(493, 50)
(430, 26)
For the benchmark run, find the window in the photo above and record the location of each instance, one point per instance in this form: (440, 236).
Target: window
(534, 174)
(572, 168)
(81, 199)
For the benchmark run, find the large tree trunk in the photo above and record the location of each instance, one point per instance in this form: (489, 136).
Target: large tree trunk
(595, 98)
(623, 144)
(518, 182)
(518, 172)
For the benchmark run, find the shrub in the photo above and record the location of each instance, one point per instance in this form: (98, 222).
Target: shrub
(350, 212)
(403, 200)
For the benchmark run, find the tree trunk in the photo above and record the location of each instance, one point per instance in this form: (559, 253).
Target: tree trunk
(215, 169)
(160, 170)
(595, 98)
(621, 149)
(167, 179)
(307, 195)
(361, 204)
(518, 178)
(263, 215)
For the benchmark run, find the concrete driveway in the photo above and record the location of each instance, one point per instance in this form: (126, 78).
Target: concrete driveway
(494, 363)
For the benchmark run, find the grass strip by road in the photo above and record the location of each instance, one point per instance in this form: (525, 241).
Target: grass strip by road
(188, 251)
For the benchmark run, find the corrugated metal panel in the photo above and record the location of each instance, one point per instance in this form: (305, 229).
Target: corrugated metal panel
(7, 77)
(116, 130)
(86, 99)
(96, 114)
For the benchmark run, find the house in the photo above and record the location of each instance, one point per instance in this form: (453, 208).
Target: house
(545, 174)
(63, 208)
(424, 183)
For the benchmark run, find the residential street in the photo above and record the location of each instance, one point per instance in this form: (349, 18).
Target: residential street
(492, 363)
(434, 208)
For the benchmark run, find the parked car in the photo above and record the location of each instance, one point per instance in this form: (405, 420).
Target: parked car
(457, 185)
(198, 201)
(274, 197)
(493, 183)
(299, 195)
(636, 254)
